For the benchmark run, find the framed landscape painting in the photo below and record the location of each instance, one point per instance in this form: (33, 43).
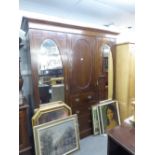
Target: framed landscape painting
(96, 120)
(109, 115)
(59, 137)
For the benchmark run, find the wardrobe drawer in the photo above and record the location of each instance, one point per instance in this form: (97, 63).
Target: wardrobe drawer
(81, 110)
(85, 133)
(82, 98)
(85, 122)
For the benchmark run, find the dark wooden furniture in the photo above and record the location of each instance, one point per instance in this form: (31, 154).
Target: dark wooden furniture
(80, 49)
(24, 146)
(121, 140)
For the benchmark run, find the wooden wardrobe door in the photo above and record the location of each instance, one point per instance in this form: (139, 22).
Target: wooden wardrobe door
(36, 39)
(82, 89)
(81, 67)
(100, 71)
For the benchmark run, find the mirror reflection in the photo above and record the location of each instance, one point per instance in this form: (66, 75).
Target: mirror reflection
(108, 69)
(50, 69)
(105, 51)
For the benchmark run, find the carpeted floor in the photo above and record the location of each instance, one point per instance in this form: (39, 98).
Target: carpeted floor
(93, 145)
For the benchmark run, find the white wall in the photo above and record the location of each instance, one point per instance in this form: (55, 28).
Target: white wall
(126, 35)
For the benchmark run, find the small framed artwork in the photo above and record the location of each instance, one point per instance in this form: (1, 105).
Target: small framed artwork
(96, 120)
(50, 112)
(109, 115)
(57, 137)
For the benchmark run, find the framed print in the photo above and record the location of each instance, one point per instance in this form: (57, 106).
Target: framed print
(109, 115)
(96, 120)
(59, 137)
(50, 112)
(105, 101)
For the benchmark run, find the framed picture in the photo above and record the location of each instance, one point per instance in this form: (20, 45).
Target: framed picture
(57, 137)
(50, 112)
(105, 101)
(96, 120)
(109, 115)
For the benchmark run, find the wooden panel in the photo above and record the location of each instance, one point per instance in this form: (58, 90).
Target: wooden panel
(81, 72)
(102, 88)
(85, 122)
(85, 125)
(23, 129)
(82, 65)
(124, 67)
(86, 133)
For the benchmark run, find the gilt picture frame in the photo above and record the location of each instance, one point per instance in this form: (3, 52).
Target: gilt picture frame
(109, 115)
(57, 137)
(51, 111)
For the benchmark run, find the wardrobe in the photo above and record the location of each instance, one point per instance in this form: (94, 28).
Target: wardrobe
(125, 78)
(83, 74)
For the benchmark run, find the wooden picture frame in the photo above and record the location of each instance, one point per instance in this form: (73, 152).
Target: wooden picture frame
(57, 137)
(50, 112)
(96, 120)
(109, 115)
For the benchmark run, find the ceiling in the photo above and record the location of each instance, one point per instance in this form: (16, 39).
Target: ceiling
(116, 13)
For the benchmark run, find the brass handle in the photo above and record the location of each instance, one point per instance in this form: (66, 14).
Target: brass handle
(106, 86)
(89, 97)
(89, 108)
(77, 99)
(77, 111)
(89, 121)
(66, 87)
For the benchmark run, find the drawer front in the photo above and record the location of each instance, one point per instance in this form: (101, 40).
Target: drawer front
(86, 133)
(82, 98)
(83, 111)
(82, 108)
(85, 125)
(85, 122)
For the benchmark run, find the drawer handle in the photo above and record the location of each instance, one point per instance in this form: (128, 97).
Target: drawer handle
(77, 112)
(89, 97)
(89, 121)
(77, 99)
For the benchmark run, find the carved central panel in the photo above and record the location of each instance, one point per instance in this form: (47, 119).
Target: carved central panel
(82, 64)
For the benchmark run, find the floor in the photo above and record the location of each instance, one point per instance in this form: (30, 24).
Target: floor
(93, 145)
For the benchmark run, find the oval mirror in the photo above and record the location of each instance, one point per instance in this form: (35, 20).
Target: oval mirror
(50, 69)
